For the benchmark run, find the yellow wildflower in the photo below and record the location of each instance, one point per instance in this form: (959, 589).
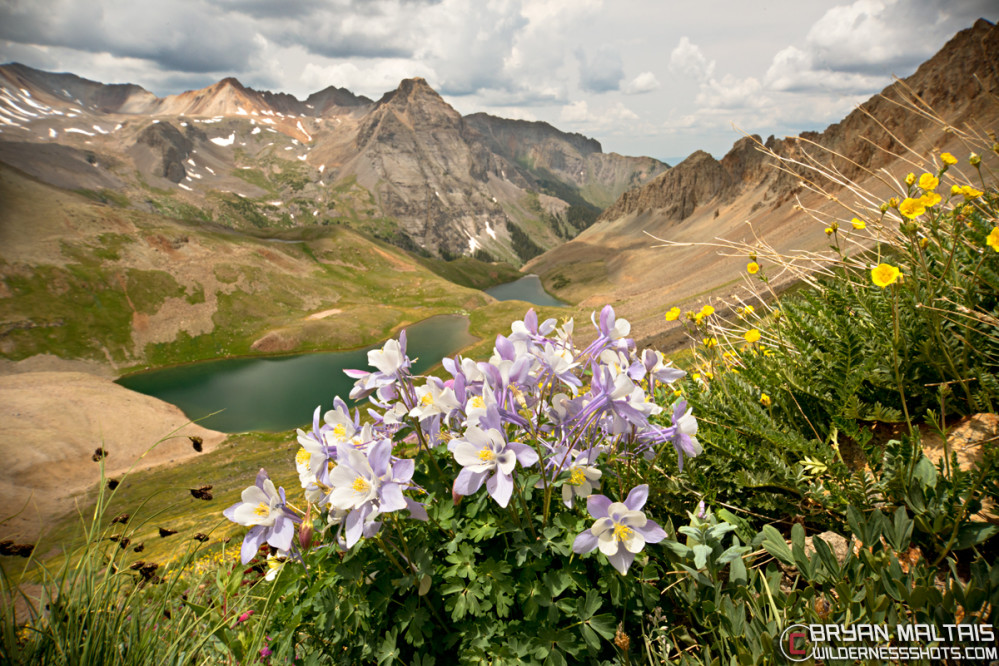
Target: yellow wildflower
(765, 400)
(710, 342)
(752, 335)
(948, 159)
(829, 231)
(695, 376)
(923, 242)
(749, 309)
(955, 189)
(974, 159)
(930, 199)
(910, 179)
(970, 193)
(928, 182)
(707, 311)
(752, 268)
(673, 314)
(858, 223)
(893, 202)
(884, 274)
(912, 207)
(993, 239)
(677, 393)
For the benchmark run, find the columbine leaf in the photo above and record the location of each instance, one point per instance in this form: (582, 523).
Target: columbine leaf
(604, 624)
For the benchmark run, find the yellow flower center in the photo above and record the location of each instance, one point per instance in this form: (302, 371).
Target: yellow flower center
(339, 431)
(576, 476)
(485, 455)
(360, 485)
(262, 510)
(477, 402)
(302, 457)
(427, 399)
(622, 532)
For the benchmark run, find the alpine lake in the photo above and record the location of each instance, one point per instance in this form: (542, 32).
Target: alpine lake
(279, 393)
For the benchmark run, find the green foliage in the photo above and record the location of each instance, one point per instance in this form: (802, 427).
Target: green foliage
(471, 586)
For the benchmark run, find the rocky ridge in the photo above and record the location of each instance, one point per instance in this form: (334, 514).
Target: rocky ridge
(408, 168)
(745, 197)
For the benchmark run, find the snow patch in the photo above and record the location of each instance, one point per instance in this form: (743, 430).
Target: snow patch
(79, 131)
(52, 133)
(241, 111)
(275, 203)
(191, 162)
(100, 129)
(185, 187)
(302, 130)
(219, 141)
(302, 157)
(490, 231)
(322, 167)
(473, 245)
(209, 170)
(256, 130)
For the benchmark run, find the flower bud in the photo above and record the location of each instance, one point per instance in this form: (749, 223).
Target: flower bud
(975, 159)
(305, 530)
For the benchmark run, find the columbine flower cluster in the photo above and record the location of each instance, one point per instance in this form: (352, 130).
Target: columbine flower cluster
(571, 416)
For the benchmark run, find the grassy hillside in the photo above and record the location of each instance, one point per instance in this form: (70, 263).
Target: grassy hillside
(81, 279)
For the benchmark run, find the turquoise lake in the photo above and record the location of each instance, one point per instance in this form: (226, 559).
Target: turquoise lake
(527, 288)
(279, 393)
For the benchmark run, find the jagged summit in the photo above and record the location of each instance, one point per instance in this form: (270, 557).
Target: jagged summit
(408, 167)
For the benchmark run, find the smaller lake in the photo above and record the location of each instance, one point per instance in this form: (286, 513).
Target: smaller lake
(280, 393)
(527, 288)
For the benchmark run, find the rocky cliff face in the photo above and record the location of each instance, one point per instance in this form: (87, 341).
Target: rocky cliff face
(407, 168)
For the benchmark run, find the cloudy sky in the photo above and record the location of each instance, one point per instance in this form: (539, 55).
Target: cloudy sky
(653, 77)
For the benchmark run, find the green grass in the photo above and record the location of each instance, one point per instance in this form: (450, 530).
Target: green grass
(161, 497)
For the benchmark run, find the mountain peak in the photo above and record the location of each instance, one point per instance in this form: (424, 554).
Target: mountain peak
(230, 81)
(410, 90)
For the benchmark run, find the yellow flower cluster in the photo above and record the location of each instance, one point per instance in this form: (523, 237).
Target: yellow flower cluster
(673, 314)
(948, 159)
(752, 335)
(858, 223)
(967, 191)
(752, 268)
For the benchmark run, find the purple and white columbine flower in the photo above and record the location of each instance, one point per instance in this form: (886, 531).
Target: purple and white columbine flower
(584, 476)
(685, 427)
(262, 509)
(621, 529)
(482, 453)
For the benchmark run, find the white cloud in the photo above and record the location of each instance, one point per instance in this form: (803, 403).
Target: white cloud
(580, 115)
(643, 83)
(687, 59)
(600, 69)
(371, 78)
